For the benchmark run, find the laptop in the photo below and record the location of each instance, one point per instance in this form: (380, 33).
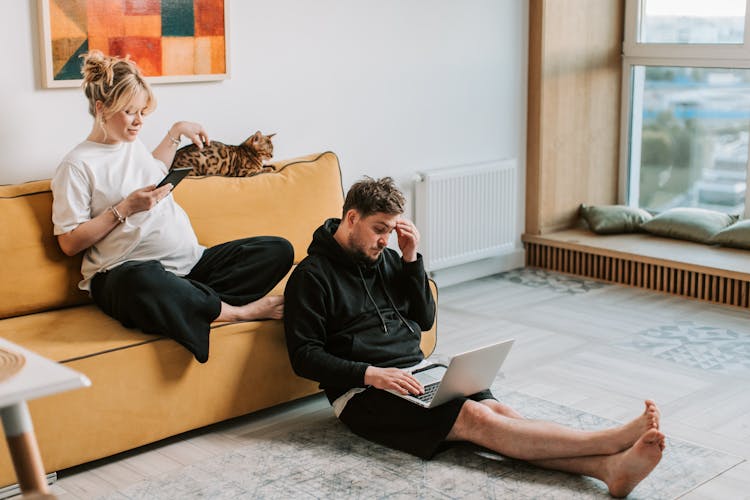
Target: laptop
(466, 374)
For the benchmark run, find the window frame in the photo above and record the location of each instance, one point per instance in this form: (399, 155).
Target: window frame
(636, 54)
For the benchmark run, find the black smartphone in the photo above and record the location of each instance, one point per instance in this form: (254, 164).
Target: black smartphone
(174, 176)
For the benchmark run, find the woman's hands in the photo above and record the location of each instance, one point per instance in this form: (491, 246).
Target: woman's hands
(142, 199)
(92, 231)
(393, 379)
(193, 131)
(168, 146)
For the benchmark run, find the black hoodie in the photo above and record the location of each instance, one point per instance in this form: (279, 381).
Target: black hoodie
(341, 316)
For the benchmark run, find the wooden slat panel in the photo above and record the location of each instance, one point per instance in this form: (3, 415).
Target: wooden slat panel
(736, 293)
(649, 275)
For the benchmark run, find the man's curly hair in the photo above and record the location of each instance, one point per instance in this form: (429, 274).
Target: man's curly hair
(369, 196)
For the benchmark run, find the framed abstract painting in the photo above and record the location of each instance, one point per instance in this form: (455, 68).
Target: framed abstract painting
(170, 40)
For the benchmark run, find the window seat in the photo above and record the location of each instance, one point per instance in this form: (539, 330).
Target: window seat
(705, 272)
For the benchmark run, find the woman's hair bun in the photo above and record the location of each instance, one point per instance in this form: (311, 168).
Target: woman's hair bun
(112, 80)
(98, 67)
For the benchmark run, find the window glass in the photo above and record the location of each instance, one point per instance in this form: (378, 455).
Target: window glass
(689, 137)
(692, 21)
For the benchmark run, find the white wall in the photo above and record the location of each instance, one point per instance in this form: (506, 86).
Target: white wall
(391, 86)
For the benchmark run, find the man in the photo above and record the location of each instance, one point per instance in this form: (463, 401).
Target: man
(354, 312)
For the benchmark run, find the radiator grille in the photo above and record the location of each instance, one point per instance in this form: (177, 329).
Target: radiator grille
(658, 277)
(467, 213)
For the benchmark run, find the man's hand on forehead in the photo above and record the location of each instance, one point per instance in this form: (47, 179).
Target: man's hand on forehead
(408, 238)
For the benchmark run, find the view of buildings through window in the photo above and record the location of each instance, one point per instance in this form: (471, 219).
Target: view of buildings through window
(690, 125)
(694, 138)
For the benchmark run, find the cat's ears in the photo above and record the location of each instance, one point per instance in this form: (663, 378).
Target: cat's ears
(258, 136)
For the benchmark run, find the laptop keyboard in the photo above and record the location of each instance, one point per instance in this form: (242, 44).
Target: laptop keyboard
(429, 392)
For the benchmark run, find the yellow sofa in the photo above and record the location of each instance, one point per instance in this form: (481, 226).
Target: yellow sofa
(146, 388)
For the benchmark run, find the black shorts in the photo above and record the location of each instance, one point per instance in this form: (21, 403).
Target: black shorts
(394, 422)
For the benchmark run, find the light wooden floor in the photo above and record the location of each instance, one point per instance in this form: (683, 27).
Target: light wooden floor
(584, 350)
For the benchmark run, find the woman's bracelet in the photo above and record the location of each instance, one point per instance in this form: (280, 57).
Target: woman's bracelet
(175, 140)
(120, 218)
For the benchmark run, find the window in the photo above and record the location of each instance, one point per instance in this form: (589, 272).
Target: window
(686, 104)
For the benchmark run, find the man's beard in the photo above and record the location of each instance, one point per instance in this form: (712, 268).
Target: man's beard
(360, 256)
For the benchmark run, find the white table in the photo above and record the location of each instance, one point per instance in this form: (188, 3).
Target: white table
(39, 377)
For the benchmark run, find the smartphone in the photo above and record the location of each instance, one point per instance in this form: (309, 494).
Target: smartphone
(174, 176)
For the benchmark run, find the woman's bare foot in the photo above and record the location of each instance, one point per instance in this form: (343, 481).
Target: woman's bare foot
(628, 468)
(268, 307)
(633, 430)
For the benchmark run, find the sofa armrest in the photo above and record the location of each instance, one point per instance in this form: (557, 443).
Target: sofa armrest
(429, 337)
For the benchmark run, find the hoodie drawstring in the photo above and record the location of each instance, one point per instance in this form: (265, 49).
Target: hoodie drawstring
(380, 315)
(388, 296)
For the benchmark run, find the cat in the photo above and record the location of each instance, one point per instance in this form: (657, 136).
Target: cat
(218, 158)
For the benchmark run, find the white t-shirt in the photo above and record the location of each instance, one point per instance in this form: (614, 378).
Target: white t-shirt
(95, 176)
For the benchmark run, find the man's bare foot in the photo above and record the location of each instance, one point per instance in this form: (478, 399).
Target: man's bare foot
(268, 307)
(630, 432)
(630, 467)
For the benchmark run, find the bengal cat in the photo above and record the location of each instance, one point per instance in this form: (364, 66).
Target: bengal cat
(218, 158)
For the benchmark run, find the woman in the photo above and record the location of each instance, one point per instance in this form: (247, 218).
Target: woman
(143, 264)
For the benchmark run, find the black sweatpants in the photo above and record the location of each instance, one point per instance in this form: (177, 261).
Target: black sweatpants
(144, 295)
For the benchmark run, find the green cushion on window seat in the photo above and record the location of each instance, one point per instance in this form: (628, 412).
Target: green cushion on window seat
(692, 224)
(614, 219)
(737, 235)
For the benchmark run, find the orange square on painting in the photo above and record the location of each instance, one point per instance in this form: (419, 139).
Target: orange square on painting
(149, 26)
(178, 55)
(99, 43)
(145, 51)
(105, 19)
(142, 7)
(209, 55)
(203, 55)
(218, 55)
(67, 24)
(209, 17)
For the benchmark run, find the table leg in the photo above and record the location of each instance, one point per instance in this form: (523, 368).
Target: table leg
(24, 450)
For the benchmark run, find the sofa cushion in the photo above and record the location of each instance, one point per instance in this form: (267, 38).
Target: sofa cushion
(65, 335)
(71, 333)
(692, 224)
(614, 219)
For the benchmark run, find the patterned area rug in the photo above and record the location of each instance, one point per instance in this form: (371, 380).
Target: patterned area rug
(320, 459)
(709, 348)
(541, 278)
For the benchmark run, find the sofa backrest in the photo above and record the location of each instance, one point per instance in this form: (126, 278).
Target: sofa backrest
(290, 202)
(35, 275)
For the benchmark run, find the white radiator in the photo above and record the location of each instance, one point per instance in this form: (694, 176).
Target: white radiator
(467, 213)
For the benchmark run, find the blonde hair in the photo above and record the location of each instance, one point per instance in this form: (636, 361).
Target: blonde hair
(115, 81)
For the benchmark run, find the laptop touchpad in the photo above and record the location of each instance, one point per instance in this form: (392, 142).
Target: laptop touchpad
(430, 375)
